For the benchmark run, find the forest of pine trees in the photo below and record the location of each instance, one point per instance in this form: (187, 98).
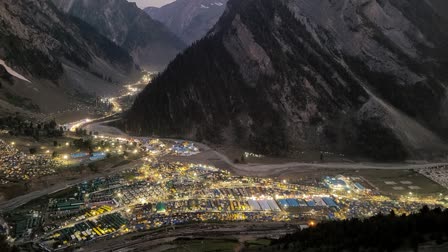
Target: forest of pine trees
(378, 233)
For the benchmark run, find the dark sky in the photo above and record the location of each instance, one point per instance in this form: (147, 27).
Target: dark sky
(146, 3)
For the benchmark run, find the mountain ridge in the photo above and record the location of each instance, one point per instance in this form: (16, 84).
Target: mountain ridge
(190, 20)
(61, 56)
(150, 43)
(303, 80)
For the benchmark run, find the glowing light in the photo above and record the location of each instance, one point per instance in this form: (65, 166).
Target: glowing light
(13, 143)
(48, 151)
(65, 157)
(67, 144)
(312, 223)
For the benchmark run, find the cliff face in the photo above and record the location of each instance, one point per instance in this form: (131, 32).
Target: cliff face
(363, 77)
(61, 56)
(189, 20)
(150, 43)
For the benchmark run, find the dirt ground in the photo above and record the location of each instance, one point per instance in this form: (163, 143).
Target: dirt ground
(235, 152)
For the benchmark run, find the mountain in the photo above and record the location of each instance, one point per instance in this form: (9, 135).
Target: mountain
(149, 42)
(440, 6)
(54, 60)
(361, 77)
(190, 20)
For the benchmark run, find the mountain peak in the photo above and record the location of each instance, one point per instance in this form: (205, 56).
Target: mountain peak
(150, 43)
(190, 20)
(278, 76)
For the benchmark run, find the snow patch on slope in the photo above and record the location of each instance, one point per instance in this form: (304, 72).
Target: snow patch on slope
(12, 72)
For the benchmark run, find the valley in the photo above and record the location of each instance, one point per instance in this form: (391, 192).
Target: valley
(145, 191)
(223, 125)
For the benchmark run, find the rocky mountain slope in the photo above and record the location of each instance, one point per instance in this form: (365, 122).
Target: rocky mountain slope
(60, 58)
(190, 20)
(150, 43)
(360, 77)
(440, 6)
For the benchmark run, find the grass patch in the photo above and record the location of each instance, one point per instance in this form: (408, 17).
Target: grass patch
(404, 179)
(254, 244)
(21, 102)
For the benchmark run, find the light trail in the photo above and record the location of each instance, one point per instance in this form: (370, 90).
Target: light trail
(130, 90)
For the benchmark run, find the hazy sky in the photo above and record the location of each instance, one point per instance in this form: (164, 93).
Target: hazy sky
(146, 3)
